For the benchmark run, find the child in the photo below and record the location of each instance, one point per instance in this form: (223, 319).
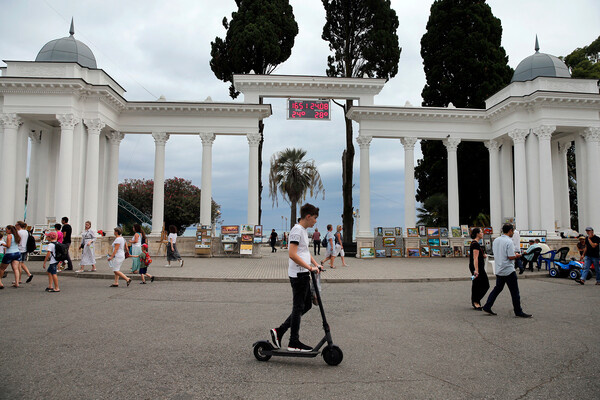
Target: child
(298, 270)
(52, 268)
(145, 261)
(2, 242)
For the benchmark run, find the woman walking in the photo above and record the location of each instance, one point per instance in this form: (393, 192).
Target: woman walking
(12, 256)
(136, 248)
(172, 253)
(339, 247)
(115, 260)
(480, 284)
(88, 257)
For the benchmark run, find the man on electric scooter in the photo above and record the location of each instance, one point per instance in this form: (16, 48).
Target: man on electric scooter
(299, 268)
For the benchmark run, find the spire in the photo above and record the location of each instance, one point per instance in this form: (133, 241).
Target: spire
(72, 30)
(537, 45)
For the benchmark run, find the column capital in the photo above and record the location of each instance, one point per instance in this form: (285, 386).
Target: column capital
(451, 143)
(591, 134)
(207, 138)
(11, 120)
(544, 132)
(492, 145)
(253, 138)
(160, 138)
(563, 147)
(115, 137)
(518, 135)
(67, 121)
(408, 142)
(94, 125)
(364, 141)
(35, 136)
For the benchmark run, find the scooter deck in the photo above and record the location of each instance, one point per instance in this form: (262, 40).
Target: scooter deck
(287, 353)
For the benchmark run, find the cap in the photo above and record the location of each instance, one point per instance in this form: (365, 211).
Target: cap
(144, 246)
(589, 228)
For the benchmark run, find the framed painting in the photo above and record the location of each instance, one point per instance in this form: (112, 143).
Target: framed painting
(230, 229)
(413, 252)
(258, 230)
(467, 251)
(464, 230)
(456, 232)
(246, 238)
(246, 249)
(433, 232)
(433, 241)
(389, 231)
(425, 251)
(467, 243)
(422, 230)
(488, 230)
(444, 242)
(457, 251)
(398, 230)
(248, 229)
(229, 239)
(444, 232)
(436, 252)
(389, 241)
(367, 252)
(412, 232)
(380, 253)
(379, 231)
(228, 247)
(396, 252)
(423, 242)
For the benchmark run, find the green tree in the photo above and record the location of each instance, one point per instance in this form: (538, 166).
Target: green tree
(464, 64)
(293, 178)
(434, 211)
(182, 201)
(585, 62)
(260, 36)
(362, 36)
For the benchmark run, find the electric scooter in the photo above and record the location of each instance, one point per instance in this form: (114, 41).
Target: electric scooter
(332, 354)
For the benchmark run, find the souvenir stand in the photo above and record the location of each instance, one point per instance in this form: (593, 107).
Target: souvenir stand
(526, 236)
(203, 241)
(247, 237)
(230, 245)
(389, 242)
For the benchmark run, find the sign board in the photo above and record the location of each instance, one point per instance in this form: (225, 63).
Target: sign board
(315, 110)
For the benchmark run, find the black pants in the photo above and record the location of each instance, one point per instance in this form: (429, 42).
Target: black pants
(273, 249)
(480, 286)
(302, 302)
(519, 264)
(513, 286)
(317, 244)
(68, 260)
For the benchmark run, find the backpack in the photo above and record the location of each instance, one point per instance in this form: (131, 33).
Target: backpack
(31, 245)
(147, 259)
(60, 251)
(324, 241)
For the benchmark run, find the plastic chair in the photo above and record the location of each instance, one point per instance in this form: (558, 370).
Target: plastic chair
(562, 254)
(551, 255)
(534, 260)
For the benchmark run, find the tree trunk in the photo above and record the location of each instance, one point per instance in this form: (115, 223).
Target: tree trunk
(261, 128)
(347, 169)
(293, 213)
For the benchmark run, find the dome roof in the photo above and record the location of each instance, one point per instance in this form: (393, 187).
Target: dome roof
(540, 64)
(67, 49)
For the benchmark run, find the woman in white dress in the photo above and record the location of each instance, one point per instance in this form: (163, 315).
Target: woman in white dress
(88, 238)
(115, 260)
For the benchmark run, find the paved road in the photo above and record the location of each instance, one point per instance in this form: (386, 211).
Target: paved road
(192, 340)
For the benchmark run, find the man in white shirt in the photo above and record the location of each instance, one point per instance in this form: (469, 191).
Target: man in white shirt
(299, 268)
(516, 239)
(24, 235)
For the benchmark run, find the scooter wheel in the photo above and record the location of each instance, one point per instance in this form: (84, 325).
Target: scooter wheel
(575, 274)
(259, 351)
(332, 355)
(553, 272)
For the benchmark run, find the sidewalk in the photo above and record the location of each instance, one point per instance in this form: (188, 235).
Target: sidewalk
(272, 267)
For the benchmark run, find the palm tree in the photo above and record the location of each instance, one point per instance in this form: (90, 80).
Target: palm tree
(293, 177)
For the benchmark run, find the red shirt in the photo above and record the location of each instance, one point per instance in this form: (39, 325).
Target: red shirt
(60, 236)
(316, 236)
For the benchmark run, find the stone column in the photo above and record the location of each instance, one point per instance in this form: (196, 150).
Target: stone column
(8, 177)
(410, 210)
(158, 199)
(90, 205)
(253, 141)
(493, 147)
(533, 177)
(453, 205)
(112, 186)
(208, 139)
(582, 187)
(506, 180)
(563, 173)
(65, 166)
(592, 140)
(35, 166)
(364, 224)
(544, 134)
(21, 173)
(521, 211)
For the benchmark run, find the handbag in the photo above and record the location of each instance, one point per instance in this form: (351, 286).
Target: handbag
(127, 255)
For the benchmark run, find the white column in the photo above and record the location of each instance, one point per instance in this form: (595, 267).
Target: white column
(112, 186)
(544, 134)
(410, 210)
(46, 174)
(21, 172)
(65, 166)
(90, 207)
(582, 187)
(208, 139)
(158, 198)
(364, 227)
(495, 201)
(533, 177)
(521, 212)
(8, 177)
(33, 194)
(592, 139)
(79, 171)
(506, 180)
(453, 206)
(253, 141)
(556, 181)
(563, 174)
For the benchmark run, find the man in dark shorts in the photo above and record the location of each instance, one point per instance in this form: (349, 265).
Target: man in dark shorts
(67, 231)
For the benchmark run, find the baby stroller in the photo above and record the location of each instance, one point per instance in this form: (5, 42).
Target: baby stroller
(562, 266)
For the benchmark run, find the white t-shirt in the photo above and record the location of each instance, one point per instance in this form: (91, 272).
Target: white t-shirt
(173, 237)
(516, 239)
(51, 249)
(2, 248)
(121, 252)
(300, 235)
(23, 245)
(328, 236)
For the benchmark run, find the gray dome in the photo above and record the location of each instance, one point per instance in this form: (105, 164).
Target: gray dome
(540, 64)
(67, 49)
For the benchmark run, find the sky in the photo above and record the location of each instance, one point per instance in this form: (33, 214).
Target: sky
(158, 48)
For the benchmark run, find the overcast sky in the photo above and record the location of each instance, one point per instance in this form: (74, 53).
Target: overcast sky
(155, 48)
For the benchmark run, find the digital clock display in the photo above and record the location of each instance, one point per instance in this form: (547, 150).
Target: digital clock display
(309, 109)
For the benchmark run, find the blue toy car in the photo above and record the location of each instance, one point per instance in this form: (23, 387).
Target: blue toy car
(562, 266)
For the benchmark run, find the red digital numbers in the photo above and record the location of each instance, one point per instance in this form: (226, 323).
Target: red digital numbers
(308, 109)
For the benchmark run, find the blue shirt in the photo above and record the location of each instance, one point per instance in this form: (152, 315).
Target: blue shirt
(14, 246)
(504, 248)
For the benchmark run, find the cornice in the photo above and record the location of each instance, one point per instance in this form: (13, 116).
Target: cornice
(359, 113)
(252, 82)
(226, 109)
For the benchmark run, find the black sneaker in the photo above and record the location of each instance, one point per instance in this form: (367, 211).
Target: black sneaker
(488, 311)
(298, 346)
(276, 338)
(524, 315)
